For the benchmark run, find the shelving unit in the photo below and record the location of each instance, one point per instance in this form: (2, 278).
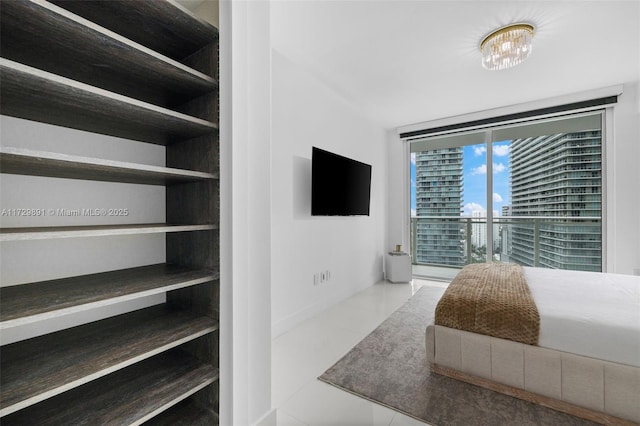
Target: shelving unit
(27, 303)
(130, 396)
(33, 375)
(49, 164)
(175, 34)
(89, 53)
(145, 71)
(185, 414)
(38, 95)
(45, 233)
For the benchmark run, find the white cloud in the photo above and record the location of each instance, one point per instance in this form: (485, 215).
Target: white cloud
(497, 198)
(413, 158)
(480, 170)
(501, 150)
(469, 208)
(413, 212)
(497, 168)
(479, 150)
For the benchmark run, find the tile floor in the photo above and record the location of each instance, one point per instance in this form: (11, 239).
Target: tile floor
(302, 354)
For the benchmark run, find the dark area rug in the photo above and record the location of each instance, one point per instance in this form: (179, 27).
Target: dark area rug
(389, 367)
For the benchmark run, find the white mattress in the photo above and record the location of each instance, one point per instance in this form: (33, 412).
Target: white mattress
(588, 313)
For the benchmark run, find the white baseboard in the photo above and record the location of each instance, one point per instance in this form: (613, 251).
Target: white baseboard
(285, 324)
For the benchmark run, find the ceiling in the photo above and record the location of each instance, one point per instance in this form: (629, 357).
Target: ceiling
(403, 62)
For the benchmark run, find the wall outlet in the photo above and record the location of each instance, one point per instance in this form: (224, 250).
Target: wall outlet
(321, 277)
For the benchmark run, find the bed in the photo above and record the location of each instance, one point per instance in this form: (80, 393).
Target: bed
(584, 360)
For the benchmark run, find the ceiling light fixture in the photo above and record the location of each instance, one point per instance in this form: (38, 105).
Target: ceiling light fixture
(506, 47)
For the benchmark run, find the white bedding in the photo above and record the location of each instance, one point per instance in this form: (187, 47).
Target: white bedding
(588, 313)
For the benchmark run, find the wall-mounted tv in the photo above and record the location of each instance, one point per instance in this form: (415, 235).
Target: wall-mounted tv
(340, 186)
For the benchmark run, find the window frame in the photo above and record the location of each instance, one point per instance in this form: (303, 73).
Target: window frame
(607, 145)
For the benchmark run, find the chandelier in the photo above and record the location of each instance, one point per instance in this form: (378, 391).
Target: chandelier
(506, 47)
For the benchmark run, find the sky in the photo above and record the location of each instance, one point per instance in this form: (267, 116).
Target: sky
(474, 165)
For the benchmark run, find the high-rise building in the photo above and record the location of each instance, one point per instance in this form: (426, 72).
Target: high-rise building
(439, 194)
(558, 177)
(504, 231)
(479, 232)
(479, 228)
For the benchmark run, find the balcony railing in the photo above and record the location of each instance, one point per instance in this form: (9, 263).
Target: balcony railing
(556, 242)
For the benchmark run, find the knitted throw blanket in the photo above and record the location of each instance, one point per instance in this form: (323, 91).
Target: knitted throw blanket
(492, 299)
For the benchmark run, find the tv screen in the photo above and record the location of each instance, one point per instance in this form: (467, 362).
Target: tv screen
(340, 186)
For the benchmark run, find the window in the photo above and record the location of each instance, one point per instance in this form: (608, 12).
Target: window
(528, 193)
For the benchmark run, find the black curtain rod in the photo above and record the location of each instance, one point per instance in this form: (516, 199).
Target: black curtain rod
(517, 116)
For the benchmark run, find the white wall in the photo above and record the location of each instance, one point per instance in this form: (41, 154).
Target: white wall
(245, 237)
(272, 113)
(397, 192)
(307, 113)
(622, 180)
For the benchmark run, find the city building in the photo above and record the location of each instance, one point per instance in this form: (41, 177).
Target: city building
(479, 228)
(439, 194)
(557, 178)
(504, 233)
(479, 234)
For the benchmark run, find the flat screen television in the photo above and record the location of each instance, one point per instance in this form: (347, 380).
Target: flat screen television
(340, 186)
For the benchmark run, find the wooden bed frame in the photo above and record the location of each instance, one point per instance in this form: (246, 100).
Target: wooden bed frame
(593, 389)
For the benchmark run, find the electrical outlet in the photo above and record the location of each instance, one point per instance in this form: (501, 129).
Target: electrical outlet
(321, 277)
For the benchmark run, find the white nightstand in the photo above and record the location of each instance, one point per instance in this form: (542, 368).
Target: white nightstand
(398, 267)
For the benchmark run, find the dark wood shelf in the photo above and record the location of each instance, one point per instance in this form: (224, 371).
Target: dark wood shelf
(38, 163)
(27, 303)
(53, 39)
(143, 71)
(33, 94)
(130, 396)
(51, 232)
(40, 368)
(161, 25)
(185, 413)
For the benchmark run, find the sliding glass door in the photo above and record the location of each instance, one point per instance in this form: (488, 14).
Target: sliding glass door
(527, 193)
